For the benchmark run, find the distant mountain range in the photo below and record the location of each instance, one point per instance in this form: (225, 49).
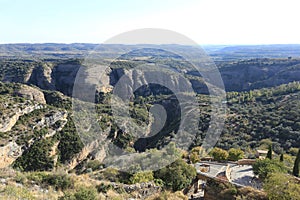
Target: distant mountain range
(217, 52)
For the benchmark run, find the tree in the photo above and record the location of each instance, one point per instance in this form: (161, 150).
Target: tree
(281, 157)
(263, 168)
(296, 165)
(194, 157)
(281, 186)
(270, 151)
(199, 150)
(219, 154)
(177, 175)
(235, 154)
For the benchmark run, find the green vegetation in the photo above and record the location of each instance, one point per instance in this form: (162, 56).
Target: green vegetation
(194, 157)
(224, 190)
(58, 100)
(270, 152)
(235, 154)
(70, 143)
(263, 112)
(15, 70)
(37, 157)
(264, 167)
(177, 175)
(271, 113)
(297, 165)
(58, 181)
(140, 177)
(219, 154)
(15, 193)
(114, 175)
(281, 157)
(281, 186)
(83, 193)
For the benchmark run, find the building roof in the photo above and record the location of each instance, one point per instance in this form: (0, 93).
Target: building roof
(262, 151)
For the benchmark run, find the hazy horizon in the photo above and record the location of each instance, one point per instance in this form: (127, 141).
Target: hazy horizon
(72, 43)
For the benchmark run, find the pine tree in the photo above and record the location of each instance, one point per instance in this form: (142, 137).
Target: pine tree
(296, 165)
(269, 154)
(281, 157)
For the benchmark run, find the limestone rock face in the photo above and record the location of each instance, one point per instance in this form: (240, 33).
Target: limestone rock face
(9, 153)
(7, 122)
(31, 93)
(83, 154)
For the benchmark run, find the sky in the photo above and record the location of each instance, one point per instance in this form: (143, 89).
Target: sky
(203, 21)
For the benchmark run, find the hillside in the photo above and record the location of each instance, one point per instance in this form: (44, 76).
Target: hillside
(38, 130)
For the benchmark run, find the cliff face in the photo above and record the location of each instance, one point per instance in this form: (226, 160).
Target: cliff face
(8, 121)
(58, 77)
(26, 119)
(238, 76)
(31, 93)
(9, 153)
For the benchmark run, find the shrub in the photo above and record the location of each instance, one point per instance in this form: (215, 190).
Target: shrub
(104, 188)
(113, 175)
(263, 168)
(13, 192)
(94, 165)
(83, 193)
(281, 186)
(177, 175)
(140, 177)
(58, 181)
(219, 154)
(235, 154)
(194, 157)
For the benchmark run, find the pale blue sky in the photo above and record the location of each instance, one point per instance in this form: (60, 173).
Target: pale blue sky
(204, 21)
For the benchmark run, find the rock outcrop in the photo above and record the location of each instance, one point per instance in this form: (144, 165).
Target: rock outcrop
(8, 122)
(31, 93)
(9, 153)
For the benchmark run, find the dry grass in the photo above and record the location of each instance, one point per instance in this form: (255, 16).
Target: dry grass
(168, 195)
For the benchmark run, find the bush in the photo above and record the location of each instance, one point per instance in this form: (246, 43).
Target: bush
(235, 154)
(263, 168)
(94, 165)
(159, 182)
(219, 154)
(113, 175)
(177, 175)
(58, 181)
(103, 188)
(141, 177)
(194, 157)
(281, 186)
(83, 193)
